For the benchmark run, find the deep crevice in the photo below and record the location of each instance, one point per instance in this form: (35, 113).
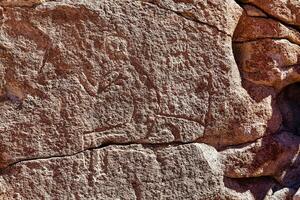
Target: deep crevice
(288, 101)
(258, 186)
(145, 145)
(265, 38)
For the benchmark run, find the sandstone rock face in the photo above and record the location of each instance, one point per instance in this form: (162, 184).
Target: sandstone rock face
(27, 3)
(149, 99)
(270, 56)
(282, 10)
(121, 172)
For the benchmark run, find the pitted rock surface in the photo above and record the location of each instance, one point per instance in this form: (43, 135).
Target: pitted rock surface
(21, 3)
(149, 99)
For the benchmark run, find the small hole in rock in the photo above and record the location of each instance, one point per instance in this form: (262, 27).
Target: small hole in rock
(289, 104)
(14, 98)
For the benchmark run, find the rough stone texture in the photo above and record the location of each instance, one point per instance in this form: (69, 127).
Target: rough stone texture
(287, 11)
(265, 157)
(210, 13)
(149, 99)
(121, 172)
(270, 56)
(27, 3)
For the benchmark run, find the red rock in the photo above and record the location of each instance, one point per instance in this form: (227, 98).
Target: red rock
(149, 99)
(286, 11)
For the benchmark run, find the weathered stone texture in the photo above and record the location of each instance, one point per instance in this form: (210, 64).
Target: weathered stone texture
(121, 172)
(20, 3)
(149, 99)
(282, 10)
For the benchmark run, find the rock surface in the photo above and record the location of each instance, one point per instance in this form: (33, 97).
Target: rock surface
(149, 99)
(282, 10)
(297, 195)
(20, 3)
(120, 172)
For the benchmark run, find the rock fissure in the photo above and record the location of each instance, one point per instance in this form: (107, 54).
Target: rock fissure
(145, 145)
(289, 104)
(189, 18)
(45, 58)
(267, 38)
(273, 16)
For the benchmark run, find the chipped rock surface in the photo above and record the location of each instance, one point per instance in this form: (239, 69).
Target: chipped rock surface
(149, 99)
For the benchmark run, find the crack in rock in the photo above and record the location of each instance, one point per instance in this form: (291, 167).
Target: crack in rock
(187, 17)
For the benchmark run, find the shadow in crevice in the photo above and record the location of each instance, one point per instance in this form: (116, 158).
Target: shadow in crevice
(291, 175)
(288, 101)
(281, 147)
(257, 187)
(258, 93)
(276, 155)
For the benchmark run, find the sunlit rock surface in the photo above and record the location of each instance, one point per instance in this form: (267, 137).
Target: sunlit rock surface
(149, 99)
